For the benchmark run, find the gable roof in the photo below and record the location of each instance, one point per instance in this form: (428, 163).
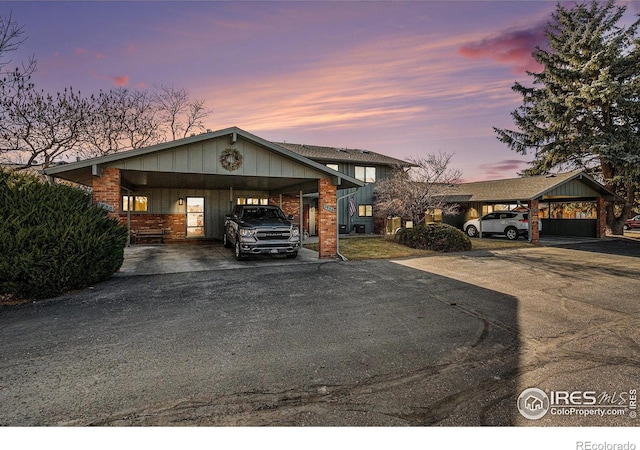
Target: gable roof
(81, 171)
(334, 154)
(521, 189)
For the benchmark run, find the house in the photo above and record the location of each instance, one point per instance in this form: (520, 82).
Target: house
(186, 187)
(364, 165)
(567, 204)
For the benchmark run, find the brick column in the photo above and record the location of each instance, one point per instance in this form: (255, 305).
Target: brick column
(601, 218)
(534, 217)
(106, 189)
(327, 219)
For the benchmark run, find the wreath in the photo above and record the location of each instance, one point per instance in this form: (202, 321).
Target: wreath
(231, 159)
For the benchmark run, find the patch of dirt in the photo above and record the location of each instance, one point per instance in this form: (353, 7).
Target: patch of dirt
(10, 300)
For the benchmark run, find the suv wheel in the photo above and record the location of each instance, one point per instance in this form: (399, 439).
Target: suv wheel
(511, 233)
(472, 231)
(239, 256)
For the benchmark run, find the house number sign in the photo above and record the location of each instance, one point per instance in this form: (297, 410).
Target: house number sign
(329, 208)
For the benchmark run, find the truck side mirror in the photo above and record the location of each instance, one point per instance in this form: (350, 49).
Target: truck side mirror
(290, 217)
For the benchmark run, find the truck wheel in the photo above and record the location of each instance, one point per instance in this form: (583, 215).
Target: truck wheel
(292, 255)
(239, 256)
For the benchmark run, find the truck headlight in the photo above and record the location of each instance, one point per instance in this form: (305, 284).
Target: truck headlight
(247, 232)
(295, 232)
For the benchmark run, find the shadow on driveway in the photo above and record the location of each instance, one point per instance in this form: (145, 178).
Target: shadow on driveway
(610, 245)
(368, 343)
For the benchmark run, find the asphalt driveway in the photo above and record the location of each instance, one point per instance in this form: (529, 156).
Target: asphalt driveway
(444, 340)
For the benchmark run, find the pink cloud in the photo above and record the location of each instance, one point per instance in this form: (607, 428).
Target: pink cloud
(84, 51)
(513, 47)
(499, 168)
(131, 48)
(121, 80)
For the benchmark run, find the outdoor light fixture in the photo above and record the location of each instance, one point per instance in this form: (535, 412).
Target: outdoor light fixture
(180, 201)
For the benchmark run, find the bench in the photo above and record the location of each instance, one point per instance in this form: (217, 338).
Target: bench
(148, 234)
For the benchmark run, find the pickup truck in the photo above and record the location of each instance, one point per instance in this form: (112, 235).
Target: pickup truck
(260, 229)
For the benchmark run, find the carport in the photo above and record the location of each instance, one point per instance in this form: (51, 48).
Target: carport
(566, 204)
(180, 191)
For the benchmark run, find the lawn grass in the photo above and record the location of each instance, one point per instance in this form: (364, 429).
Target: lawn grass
(379, 247)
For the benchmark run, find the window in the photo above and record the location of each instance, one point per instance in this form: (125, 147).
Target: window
(365, 210)
(333, 166)
(253, 201)
(136, 202)
(366, 174)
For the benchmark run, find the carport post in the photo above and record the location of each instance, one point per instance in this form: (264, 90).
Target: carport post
(128, 216)
(534, 228)
(301, 231)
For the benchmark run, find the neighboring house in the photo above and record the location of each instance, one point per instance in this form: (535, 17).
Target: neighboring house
(363, 165)
(568, 204)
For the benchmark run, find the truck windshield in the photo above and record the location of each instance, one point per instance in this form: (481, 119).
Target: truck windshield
(263, 213)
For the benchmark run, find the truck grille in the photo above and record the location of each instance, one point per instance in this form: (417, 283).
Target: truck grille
(268, 234)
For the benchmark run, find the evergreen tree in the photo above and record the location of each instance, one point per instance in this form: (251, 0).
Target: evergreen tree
(583, 109)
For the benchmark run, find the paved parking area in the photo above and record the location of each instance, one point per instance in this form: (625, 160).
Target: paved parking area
(182, 258)
(444, 340)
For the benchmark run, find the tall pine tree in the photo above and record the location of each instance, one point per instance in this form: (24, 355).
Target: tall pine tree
(583, 109)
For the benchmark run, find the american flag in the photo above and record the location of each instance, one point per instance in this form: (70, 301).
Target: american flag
(352, 206)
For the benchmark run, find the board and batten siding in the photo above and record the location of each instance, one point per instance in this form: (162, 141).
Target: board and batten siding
(572, 189)
(204, 158)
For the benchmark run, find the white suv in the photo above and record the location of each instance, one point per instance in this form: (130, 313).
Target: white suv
(512, 224)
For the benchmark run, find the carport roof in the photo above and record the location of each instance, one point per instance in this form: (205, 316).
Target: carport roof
(82, 171)
(521, 189)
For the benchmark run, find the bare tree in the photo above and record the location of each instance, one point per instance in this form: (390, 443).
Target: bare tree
(11, 38)
(121, 119)
(38, 127)
(180, 114)
(126, 119)
(411, 192)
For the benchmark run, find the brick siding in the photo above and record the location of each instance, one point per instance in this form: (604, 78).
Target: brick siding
(106, 189)
(174, 224)
(534, 211)
(327, 219)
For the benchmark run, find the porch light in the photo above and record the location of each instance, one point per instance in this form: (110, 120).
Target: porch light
(180, 201)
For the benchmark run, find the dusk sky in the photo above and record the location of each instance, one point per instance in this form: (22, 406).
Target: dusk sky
(398, 78)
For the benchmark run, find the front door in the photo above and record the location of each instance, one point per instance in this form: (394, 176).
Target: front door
(195, 216)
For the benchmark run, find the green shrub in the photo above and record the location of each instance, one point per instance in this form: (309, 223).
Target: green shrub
(52, 239)
(438, 237)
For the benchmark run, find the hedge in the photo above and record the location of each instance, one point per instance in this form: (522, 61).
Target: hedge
(52, 239)
(438, 237)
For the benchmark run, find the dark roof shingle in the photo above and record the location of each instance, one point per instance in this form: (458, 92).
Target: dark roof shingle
(515, 189)
(331, 154)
